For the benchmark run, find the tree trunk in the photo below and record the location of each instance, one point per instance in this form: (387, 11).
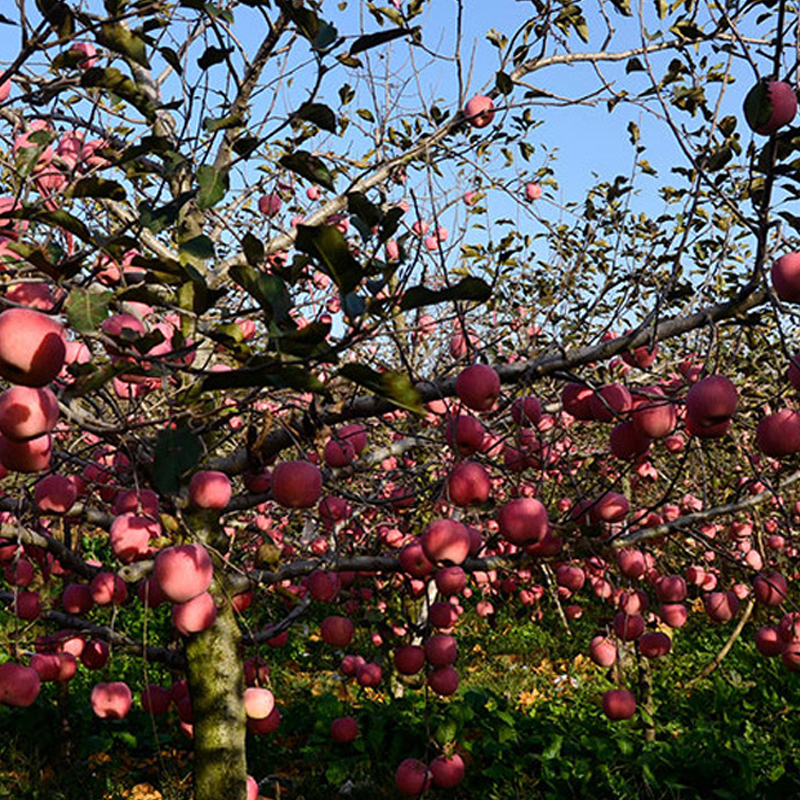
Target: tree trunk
(216, 683)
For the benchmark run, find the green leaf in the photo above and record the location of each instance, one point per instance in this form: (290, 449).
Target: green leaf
(199, 247)
(504, 83)
(253, 249)
(94, 186)
(213, 55)
(171, 57)
(55, 219)
(392, 386)
(371, 40)
(309, 167)
(176, 452)
(118, 37)
(223, 123)
(328, 247)
(86, 309)
(359, 206)
(214, 185)
(466, 289)
(307, 342)
(633, 65)
(623, 6)
(112, 80)
(59, 16)
(318, 114)
(269, 291)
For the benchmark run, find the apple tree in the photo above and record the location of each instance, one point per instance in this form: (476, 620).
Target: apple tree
(274, 317)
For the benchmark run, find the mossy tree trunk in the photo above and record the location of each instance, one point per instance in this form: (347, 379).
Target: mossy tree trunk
(216, 683)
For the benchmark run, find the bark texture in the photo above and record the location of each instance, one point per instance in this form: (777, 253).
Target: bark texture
(216, 683)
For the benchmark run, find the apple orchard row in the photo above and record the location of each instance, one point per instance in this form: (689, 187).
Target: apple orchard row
(489, 506)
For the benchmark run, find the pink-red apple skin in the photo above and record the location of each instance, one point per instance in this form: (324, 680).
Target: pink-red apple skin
(296, 484)
(344, 730)
(770, 588)
(785, 276)
(412, 777)
(444, 680)
(619, 704)
(446, 540)
(778, 434)
(711, 402)
(479, 111)
(655, 644)
(523, 521)
(27, 412)
(111, 700)
(210, 489)
(55, 494)
(195, 615)
(32, 347)
(156, 699)
(769, 642)
(337, 631)
(409, 659)
(603, 651)
(469, 484)
(258, 702)
(441, 650)
(447, 772)
(183, 572)
(19, 685)
(478, 387)
(32, 455)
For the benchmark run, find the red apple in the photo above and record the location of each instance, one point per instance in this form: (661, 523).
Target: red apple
(603, 651)
(32, 455)
(412, 777)
(523, 521)
(196, 615)
(369, 674)
(711, 402)
(27, 412)
(444, 681)
(778, 434)
(258, 702)
(769, 642)
(446, 540)
(610, 402)
(721, 606)
(55, 667)
(468, 484)
(130, 536)
(465, 434)
(479, 111)
(619, 704)
(409, 659)
(770, 588)
(533, 191)
(344, 730)
(32, 348)
(770, 105)
(296, 484)
(443, 615)
(441, 650)
(19, 685)
(210, 489)
(628, 627)
(107, 588)
(183, 572)
(447, 772)
(337, 631)
(478, 387)
(111, 700)
(156, 699)
(450, 580)
(655, 644)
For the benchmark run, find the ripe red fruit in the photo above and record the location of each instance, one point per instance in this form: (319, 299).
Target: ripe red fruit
(441, 650)
(655, 644)
(721, 606)
(27, 412)
(32, 455)
(770, 105)
(197, 614)
(210, 489)
(19, 685)
(479, 111)
(627, 442)
(770, 588)
(412, 777)
(671, 589)
(32, 347)
(526, 411)
(344, 730)
(409, 659)
(465, 434)
(619, 704)
(450, 580)
(673, 614)
(610, 402)
(632, 563)
(111, 700)
(577, 400)
(523, 521)
(183, 572)
(444, 681)
(778, 434)
(769, 642)
(602, 651)
(654, 417)
(628, 626)
(369, 674)
(258, 702)
(443, 615)
(337, 631)
(468, 484)
(711, 403)
(296, 484)
(478, 387)
(533, 191)
(447, 772)
(54, 494)
(54, 667)
(156, 700)
(446, 540)
(414, 561)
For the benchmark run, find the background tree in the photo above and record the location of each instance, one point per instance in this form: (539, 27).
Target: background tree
(264, 331)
